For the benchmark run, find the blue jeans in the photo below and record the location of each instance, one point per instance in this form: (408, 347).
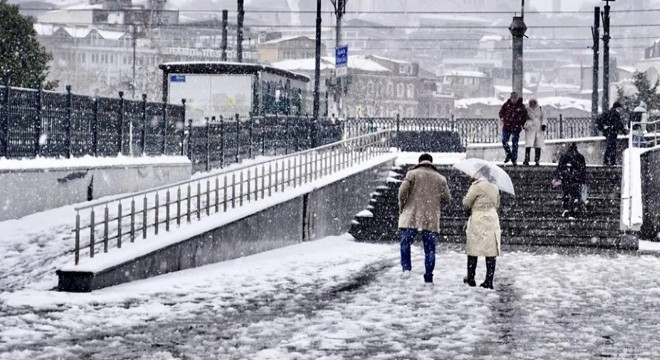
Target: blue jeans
(511, 152)
(430, 238)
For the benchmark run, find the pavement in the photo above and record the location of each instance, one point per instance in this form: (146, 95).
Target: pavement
(338, 299)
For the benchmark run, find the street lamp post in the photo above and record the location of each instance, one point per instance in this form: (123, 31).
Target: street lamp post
(134, 36)
(594, 77)
(239, 34)
(518, 29)
(606, 55)
(340, 10)
(317, 73)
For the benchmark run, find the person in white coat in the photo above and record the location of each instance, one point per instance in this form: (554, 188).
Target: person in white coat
(638, 131)
(483, 227)
(535, 128)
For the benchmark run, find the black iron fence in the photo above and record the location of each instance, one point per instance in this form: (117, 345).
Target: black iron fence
(225, 141)
(470, 130)
(35, 123)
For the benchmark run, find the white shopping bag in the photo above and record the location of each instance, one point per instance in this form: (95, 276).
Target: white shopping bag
(584, 194)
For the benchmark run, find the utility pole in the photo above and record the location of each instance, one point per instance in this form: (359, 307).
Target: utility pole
(225, 15)
(594, 92)
(518, 29)
(134, 58)
(317, 73)
(340, 10)
(239, 35)
(606, 55)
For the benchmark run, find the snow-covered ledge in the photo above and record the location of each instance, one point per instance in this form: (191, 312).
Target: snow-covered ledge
(32, 185)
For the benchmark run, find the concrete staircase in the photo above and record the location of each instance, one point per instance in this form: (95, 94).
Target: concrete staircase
(532, 217)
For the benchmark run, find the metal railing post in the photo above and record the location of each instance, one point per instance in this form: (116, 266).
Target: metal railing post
(238, 138)
(92, 230)
(95, 127)
(183, 124)
(143, 136)
(106, 225)
(121, 122)
(145, 220)
(208, 144)
(37, 121)
(250, 134)
(188, 203)
(77, 243)
(190, 154)
(67, 122)
(119, 216)
(133, 220)
(561, 126)
(156, 213)
(4, 120)
(222, 142)
(286, 135)
(199, 200)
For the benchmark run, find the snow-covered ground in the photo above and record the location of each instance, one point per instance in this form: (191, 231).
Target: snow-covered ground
(339, 299)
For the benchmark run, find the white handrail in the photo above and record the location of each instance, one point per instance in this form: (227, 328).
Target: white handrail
(636, 138)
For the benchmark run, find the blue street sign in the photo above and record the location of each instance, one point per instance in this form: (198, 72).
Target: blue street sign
(177, 78)
(341, 56)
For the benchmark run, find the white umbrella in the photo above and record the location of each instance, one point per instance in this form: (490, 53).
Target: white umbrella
(482, 169)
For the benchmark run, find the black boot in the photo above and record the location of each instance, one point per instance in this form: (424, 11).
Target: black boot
(527, 151)
(537, 156)
(471, 269)
(490, 273)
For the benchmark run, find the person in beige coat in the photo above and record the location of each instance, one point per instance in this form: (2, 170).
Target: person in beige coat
(534, 131)
(483, 226)
(421, 195)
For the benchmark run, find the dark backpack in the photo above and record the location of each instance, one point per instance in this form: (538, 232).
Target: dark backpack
(601, 121)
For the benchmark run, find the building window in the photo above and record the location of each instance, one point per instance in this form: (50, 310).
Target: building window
(370, 88)
(390, 89)
(399, 90)
(411, 91)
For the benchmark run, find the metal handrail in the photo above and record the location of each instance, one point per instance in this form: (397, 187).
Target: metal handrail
(235, 169)
(643, 127)
(637, 137)
(124, 218)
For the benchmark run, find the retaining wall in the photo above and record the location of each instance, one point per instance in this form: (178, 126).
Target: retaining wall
(315, 214)
(650, 172)
(25, 191)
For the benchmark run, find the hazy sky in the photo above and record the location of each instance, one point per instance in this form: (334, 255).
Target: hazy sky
(566, 4)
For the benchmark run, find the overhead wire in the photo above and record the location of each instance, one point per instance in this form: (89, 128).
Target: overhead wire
(395, 12)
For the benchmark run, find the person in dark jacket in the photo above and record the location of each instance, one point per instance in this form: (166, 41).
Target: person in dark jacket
(513, 115)
(572, 171)
(611, 125)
